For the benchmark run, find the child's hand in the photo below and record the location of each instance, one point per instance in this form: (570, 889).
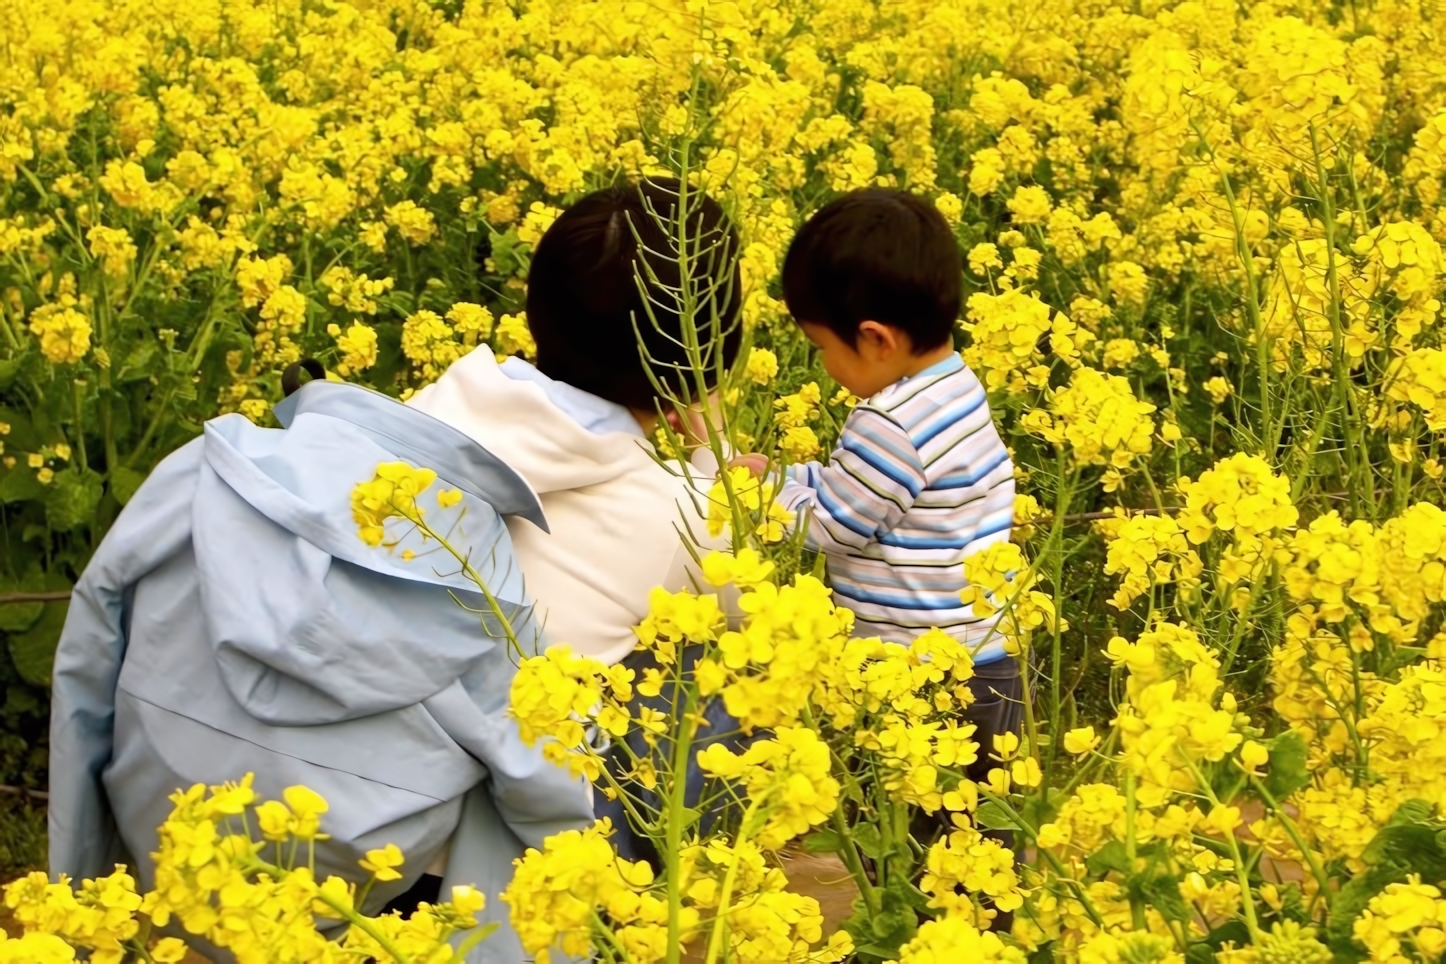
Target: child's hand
(755, 463)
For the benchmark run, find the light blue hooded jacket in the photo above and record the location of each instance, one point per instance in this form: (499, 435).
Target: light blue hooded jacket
(232, 621)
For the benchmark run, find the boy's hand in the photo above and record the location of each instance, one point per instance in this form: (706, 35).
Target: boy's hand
(754, 462)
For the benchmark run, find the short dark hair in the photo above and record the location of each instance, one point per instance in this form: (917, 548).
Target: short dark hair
(876, 255)
(583, 294)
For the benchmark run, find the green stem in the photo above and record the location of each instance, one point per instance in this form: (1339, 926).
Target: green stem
(347, 913)
(1137, 910)
(730, 878)
(77, 387)
(1342, 383)
(1054, 862)
(1257, 322)
(149, 433)
(1242, 875)
(848, 847)
(1056, 542)
(673, 829)
(600, 926)
(470, 572)
(138, 948)
(1311, 857)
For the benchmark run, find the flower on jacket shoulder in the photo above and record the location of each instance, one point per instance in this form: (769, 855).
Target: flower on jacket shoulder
(392, 492)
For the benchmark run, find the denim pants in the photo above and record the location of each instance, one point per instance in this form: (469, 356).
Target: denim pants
(998, 708)
(717, 727)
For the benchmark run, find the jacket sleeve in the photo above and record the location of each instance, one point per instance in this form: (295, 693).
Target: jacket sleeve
(534, 798)
(871, 481)
(154, 525)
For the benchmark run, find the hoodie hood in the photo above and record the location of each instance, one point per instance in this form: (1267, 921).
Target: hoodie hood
(310, 625)
(516, 421)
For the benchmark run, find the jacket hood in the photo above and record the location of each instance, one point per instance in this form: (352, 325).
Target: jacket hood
(516, 421)
(309, 624)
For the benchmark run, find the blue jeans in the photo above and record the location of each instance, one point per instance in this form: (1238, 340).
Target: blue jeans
(719, 727)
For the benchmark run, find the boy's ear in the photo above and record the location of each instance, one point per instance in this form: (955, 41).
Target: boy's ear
(885, 339)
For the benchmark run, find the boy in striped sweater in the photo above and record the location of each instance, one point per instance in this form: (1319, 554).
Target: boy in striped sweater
(920, 478)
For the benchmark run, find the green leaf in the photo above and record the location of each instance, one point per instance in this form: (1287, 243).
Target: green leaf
(124, 482)
(138, 362)
(1351, 900)
(508, 252)
(19, 484)
(1200, 954)
(21, 437)
(72, 499)
(1160, 890)
(992, 816)
(1287, 768)
(475, 937)
(9, 368)
(18, 617)
(1235, 931)
(691, 815)
(1038, 809)
(1112, 856)
(866, 837)
(34, 650)
(879, 938)
(823, 842)
(1409, 841)
(1044, 955)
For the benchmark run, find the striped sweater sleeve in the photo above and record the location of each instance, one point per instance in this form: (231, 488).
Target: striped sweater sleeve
(873, 478)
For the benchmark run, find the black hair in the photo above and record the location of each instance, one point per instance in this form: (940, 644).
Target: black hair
(876, 255)
(583, 295)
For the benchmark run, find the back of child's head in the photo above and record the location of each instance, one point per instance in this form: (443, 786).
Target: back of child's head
(583, 295)
(876, 255)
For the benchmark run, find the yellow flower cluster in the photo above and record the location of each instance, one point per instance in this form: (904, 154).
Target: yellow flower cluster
(1097, 418)
(99, 917)
(215, 881)
(1147, 551)
(954, 939)
(762, 365)
(1002, 581)
(392, 495)
(798, 441)
(787, 644)
(557, 892)
(555, 694)
(392, 492)
(357, 345)
(1420, 378)
(737, 489)
(966, 868)
(790, 771)
(1005, 331)
(63, 330)
(1405, 922)
(1176, 714)
(1388, 576)
(1240, 495)
(902, 703)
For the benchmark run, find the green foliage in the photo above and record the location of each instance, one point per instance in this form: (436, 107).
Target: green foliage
(22, 836)
(1288, 765)
(1413, 841)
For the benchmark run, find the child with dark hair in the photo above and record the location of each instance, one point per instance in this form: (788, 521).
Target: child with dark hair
(576, 425)
(587, 312)
(920, 478)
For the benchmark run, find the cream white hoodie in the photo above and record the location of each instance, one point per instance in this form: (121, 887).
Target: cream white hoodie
(615, 515)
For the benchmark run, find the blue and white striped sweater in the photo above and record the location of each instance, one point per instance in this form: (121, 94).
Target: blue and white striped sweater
(920, 479)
